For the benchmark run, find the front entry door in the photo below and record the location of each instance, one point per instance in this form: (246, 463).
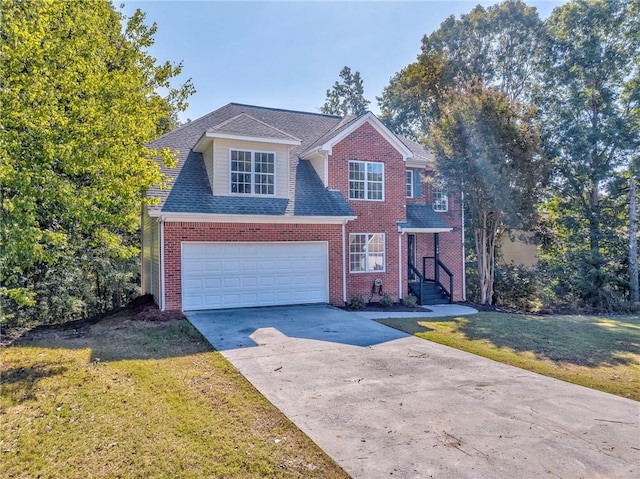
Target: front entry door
(411, 252)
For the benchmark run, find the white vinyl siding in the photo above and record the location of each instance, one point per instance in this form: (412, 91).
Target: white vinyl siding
(237, 275)
(222, 165)
(150, 256)
(366, 180)
(207, 156)
(366, 252)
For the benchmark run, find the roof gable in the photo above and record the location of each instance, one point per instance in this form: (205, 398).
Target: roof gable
(346, 127)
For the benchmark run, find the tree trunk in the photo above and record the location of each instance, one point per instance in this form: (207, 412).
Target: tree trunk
(633, 241)
(485, 239)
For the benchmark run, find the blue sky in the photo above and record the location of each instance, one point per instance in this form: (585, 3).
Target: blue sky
(287, 54)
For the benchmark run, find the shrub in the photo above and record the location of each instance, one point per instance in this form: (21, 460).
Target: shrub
(386, 301)
(517, 287)
(357, 302)
(410, 301)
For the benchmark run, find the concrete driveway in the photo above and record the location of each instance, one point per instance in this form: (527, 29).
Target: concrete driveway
(385, 404)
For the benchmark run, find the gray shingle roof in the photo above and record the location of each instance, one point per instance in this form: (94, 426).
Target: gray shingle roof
(189, 190)
(423, 217)
(245, 125)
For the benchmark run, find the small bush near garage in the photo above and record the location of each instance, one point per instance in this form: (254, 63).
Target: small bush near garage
(410, 301)
(357, 302)
(386, 301)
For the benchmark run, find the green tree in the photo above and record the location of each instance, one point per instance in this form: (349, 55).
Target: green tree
(485, 146)
(78, 103)
(589, 99)
(496, 45)
(346, 97)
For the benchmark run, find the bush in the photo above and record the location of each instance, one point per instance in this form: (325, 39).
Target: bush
(357, 302)
(386, 301)
(517, 287)
(410, 301)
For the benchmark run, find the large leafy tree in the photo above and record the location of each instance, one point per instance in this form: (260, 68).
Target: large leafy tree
(346, 97)
(485, 145)
(589, 99)
(78, 102)
(496, 45)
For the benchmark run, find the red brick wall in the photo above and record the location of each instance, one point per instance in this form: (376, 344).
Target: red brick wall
(177, 232)
(366, 144)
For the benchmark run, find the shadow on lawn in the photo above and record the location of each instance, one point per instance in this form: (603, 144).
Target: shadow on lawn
(581, 340)
(21, 383)
(121, 337)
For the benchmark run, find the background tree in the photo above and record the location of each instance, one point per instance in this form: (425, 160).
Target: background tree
(346, 97)
(78, 103)
(486, 146)
(496, 45)
(590, 118)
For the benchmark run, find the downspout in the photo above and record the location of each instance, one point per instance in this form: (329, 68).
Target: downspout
(464, 262)
(344, 264)
(400, 233)
(161, 281)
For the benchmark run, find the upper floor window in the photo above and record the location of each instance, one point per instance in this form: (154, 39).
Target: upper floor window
(409, 183)
(252, 172)
(366, 180)
(366, 252)
(440, 200)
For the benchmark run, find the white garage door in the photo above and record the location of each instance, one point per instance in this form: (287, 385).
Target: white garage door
(233, 275)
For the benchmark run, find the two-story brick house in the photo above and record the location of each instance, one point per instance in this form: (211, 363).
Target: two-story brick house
(273, 207)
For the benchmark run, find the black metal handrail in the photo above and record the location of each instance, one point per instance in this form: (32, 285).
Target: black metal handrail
(436, 275)
(449, 293)
(420, 279)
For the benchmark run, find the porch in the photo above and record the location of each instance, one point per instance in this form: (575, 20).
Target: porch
(433, 282)
(429, 279)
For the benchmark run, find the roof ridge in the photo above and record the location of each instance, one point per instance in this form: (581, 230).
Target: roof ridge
(217, 127)
(285, 110)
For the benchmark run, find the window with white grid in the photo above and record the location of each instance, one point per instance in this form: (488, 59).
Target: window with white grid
(440, 200)
(252, 172)
(366, 180)
(366, 252)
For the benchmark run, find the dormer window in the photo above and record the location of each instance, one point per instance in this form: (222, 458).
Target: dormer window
(252, 172)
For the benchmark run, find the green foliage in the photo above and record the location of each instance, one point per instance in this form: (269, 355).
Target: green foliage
(517, 287)
(78, 103)
(589, 99)
(357, 302)
(496, 45)
(487, 147)
(410, 301)
(346, 98)
(386, 301)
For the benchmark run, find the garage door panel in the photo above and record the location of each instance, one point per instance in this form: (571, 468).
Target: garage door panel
(223, 275)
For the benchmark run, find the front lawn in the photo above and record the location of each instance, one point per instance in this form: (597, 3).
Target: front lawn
(132, 399)
(598, 352)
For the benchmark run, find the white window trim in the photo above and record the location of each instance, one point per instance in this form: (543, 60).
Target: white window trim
(253, 173)
(366, 181)
(366, 253)
(446, 201)
(408, 174)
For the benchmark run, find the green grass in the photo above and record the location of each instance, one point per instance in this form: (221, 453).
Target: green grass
(131, 399)
(598, 352)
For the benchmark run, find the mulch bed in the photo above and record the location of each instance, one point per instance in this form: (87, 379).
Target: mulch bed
(395, 308)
